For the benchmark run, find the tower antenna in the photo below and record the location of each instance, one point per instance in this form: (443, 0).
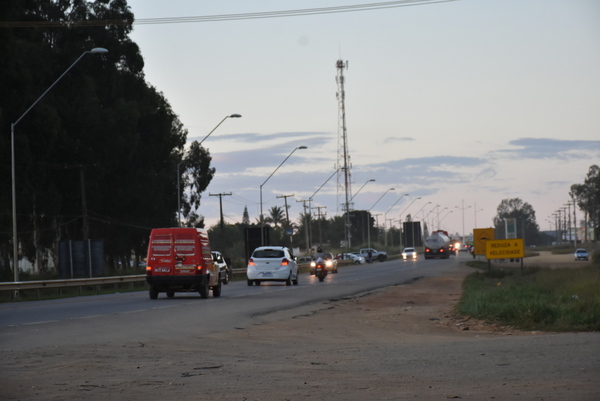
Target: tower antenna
(343, 159)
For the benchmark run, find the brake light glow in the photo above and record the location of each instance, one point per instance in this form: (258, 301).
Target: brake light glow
(284, 262)
(251, 262)
(148, 270)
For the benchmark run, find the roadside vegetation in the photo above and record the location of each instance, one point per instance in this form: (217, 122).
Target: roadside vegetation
(562, 299)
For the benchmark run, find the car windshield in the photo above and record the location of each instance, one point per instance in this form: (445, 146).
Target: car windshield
(269, 253)
(409, 250)
(581, 251)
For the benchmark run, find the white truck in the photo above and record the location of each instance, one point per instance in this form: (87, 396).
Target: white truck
(375, 254)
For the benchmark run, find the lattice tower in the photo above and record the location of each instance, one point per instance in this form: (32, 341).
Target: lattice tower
(343, 165)
(344, 192)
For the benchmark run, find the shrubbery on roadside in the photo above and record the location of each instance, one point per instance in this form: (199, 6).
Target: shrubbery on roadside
(565, 299)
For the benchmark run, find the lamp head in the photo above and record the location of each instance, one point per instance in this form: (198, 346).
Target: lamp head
(98, 50)
(235, 116)
(301, 147)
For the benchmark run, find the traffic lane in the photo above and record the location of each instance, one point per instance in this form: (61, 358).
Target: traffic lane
(40, 312)
(184, 318)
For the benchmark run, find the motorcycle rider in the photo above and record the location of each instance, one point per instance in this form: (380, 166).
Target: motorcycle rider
(319, 256)
(319, 259)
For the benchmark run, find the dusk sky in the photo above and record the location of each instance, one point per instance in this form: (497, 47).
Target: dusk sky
(461, 103)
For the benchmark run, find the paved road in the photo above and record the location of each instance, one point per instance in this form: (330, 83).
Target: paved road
(81, 320)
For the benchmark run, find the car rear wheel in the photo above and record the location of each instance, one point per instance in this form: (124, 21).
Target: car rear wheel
(295, 281)
(289, 280)
(250, 282)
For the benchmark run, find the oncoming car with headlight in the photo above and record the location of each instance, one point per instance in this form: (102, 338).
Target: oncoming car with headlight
(272, 263)
(409, 254)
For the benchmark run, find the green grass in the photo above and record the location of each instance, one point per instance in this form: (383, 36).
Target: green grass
(566, 299)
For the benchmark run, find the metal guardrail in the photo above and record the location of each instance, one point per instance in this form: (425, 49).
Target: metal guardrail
(73, 282)
(83, 282)
(78, 282)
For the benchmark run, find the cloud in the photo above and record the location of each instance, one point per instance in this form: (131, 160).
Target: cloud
(425, 171)
(393, 139)
(548, 148)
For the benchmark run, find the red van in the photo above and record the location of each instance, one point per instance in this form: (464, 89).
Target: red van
(180, 259)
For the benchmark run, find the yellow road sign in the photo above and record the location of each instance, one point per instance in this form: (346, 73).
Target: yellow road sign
(480, 236)
(504, 248)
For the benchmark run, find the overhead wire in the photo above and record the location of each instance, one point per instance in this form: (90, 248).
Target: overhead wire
(224, 17)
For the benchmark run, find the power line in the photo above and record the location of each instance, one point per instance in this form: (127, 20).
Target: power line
(222, 17)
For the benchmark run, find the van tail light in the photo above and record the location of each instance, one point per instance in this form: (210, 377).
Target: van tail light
(251, 262)
(149, 270)
(285, 262)
(199, 269)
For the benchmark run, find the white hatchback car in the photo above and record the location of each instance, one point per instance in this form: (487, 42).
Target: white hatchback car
(272, 263)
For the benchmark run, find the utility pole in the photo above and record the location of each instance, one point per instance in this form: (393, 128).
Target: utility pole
(319, 217)
(287, 215)
(307, 223)
(221, 195)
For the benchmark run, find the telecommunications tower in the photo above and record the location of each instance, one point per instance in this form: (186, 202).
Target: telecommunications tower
(344, 193)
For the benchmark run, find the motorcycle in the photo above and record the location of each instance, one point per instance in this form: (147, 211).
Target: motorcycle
(321, 266)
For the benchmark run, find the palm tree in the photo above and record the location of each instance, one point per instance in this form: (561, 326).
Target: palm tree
(276, 216)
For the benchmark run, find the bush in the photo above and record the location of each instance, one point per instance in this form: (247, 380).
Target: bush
(541, 299)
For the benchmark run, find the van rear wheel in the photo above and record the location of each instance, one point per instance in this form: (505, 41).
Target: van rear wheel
(153, 292)
(170, 294)
(203, 289)
(217, 290)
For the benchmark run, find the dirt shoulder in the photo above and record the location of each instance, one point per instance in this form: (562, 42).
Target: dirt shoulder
(397, 343)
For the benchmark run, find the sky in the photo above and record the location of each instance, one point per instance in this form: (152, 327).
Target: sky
(459, 103)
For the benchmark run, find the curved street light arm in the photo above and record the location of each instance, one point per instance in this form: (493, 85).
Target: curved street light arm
(262, 220)
(213, 130)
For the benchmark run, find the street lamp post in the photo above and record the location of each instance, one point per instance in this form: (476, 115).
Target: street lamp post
(213, 130)
(178, 176)
(424, 218)
(308, 230)
(475, 210)
(96, 50)
(446, 215)
(422, 207)
(369, 213)
(400, 220)
(438, 215)
(262, 220)
(368, 181)
(385, 219)
(462, 209)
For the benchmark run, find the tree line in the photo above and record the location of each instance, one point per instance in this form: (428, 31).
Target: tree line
(99, 155)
